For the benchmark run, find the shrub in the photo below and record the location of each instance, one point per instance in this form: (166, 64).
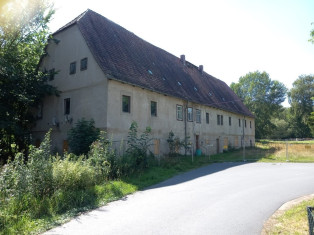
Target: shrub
(102, 158)
(82, 136)
(138, 147)
(71, 175)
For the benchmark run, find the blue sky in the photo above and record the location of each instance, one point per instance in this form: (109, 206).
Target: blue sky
(229, 37)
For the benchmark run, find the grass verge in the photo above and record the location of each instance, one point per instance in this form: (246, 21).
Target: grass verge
(290, 220)
(79, 201)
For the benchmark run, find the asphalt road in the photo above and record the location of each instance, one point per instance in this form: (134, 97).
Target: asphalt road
(222, 198)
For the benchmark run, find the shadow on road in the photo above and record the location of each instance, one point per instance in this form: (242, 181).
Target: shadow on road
(197, 173)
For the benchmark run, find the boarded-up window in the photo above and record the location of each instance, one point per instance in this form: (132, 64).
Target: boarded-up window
(65, 146)
(236, 142)
(226, 143)
(156, 146)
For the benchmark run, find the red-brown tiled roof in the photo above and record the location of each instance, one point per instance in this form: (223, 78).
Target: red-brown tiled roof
(125, 57)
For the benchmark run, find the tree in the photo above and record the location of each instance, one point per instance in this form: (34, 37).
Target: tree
(263, 97)
(300, 98)
(312, 35)
(23, 37)
(82, 136)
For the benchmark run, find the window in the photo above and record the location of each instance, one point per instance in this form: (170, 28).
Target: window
(245, 123)
(51, 74)
(39, 111)
(222, 120)
(229, 121)
(207, 118)
(179, 112)
(67, 106)
(83, 64)
(198, 116)
(239, 122)
(126, 104)
(73, 68)
(153, 108)
(190, 114)
(250, 124)
(218, 119)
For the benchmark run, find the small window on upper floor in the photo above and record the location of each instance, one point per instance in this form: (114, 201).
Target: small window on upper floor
(179, 112)
(198, 116)
(222, 119)
(126, 104)
(67, 106)
(83, 64)
(245, 123)
(51, 74)
(218, 119)
(190, 115)
(207, 118)
(73, 68)
(239, 122)
(229, 121)
(250, 124)
(153, 108)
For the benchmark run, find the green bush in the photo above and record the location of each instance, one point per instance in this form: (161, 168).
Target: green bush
(138, 147)
(82, 136)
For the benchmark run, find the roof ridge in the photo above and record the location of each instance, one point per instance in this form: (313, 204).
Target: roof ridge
(72, 22)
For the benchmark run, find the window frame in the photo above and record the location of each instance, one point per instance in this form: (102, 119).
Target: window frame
(126, 109)
(218, 119)
(153, 114)
(72, 68)
(198, 116)
(83, 64)
(207, 118)
(179, 109)
(189, 114)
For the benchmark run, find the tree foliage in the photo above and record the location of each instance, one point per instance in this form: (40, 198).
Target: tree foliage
(312, 35)
(300, 98)
(263, 97)
(23, 36)
(82, 135)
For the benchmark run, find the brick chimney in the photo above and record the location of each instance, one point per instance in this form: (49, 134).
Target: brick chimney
(201, 69)
(182, 58)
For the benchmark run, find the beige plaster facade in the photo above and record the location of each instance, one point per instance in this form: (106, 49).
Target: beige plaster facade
(94, 96)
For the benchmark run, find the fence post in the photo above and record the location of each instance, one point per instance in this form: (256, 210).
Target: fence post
(287, 160)
(310, 219)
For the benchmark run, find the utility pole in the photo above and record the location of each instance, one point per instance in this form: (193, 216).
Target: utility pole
(243, 139)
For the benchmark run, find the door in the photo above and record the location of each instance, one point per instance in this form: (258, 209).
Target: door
(217, 144)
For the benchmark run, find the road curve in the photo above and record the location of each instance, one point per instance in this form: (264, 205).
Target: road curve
(222, 198)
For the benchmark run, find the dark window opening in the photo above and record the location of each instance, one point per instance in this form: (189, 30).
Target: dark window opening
(207, 118)
(239, 122)
(198, 116)
(153, 108)
(73, 68)
(51, 74)
(83, 64)
(126, 104)
(222, 119)
(67, 106)
(218, 119)
(229, 121)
